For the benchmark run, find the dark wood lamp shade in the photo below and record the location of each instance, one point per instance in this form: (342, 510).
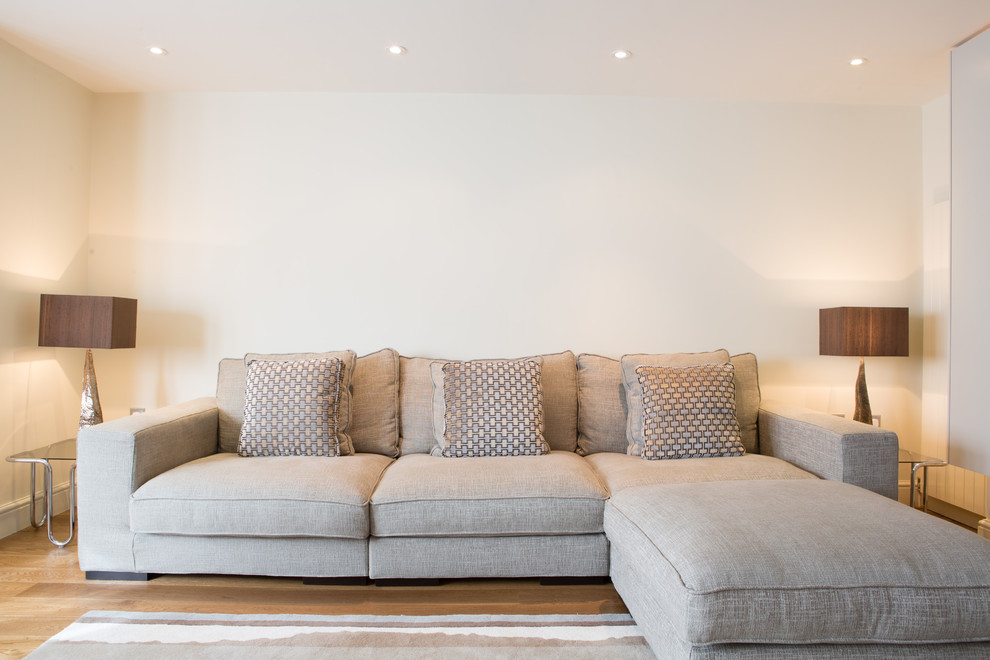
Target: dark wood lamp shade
(87, 321)
(863, 332)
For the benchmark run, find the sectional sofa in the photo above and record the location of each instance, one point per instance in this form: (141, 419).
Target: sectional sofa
(779, 538)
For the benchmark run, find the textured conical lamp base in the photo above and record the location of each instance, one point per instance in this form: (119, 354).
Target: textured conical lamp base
(863, 412)
(90, 413)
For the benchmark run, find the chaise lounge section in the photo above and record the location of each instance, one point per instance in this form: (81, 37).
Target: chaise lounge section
(796, 569)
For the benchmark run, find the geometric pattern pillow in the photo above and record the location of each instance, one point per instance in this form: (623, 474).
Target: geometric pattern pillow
(292, 408)
(634, 393)
(688, 412)
(488, 408)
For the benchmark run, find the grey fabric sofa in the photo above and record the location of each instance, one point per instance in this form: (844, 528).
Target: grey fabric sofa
(164, 492)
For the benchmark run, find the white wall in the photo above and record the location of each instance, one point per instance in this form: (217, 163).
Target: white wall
(469, 226)
(44, 209)
(961, 488)
(936, 252)
(969, 446)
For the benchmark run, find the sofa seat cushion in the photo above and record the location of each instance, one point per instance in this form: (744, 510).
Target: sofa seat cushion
(796, 561)
(621, 471)
(227, 495)
(421, 495)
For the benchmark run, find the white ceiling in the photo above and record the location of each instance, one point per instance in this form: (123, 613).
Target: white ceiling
(770, 50)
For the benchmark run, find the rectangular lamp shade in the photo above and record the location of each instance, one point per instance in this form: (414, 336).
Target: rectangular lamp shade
(87, 321)
(863, 331)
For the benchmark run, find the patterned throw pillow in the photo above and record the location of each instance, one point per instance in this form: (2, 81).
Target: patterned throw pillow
(634, 392)
(688, 412)
(488, 408)
(292, 408)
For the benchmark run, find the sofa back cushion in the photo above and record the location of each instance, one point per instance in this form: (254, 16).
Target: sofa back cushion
(603, 411)
(231, 377)
(747, 382)
(559, 381)
(601, 405)
(374, 425)
(374, 403)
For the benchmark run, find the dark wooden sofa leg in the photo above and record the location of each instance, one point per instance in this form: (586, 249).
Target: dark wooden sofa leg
(407, 582)
(577, 579)
(114, 575)
(350, 581)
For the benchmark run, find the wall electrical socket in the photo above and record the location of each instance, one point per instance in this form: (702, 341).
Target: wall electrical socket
(135, 411)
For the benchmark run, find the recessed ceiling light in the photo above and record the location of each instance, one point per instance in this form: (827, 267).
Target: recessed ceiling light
(396, 49)
(858, 61)
(157, 50)
(621, 54)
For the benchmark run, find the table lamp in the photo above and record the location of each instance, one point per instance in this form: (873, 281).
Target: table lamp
(87, 322)
(863, 332)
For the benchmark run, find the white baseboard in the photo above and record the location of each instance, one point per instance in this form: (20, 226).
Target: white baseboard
(954, 513)
(16, 515)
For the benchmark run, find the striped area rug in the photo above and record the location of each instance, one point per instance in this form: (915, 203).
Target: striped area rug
(248, 636)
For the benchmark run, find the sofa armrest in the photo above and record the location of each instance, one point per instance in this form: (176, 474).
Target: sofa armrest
(830, 447)
(115, 458)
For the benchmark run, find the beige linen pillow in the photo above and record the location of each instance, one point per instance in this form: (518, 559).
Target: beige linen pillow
(747, 385)
(558, 378)
(688, 412)
(488, 408)
(292, 408)
(601, 405)
(415, 406)
(231, 374)
(634, 392)
(374, 426)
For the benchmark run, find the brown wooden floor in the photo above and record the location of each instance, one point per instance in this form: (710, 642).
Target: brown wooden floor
(42, 591)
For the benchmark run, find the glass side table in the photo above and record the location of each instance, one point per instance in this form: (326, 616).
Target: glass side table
(916, 460)
(64, 450)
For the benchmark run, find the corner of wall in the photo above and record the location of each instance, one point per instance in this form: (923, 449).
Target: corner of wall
(46, 121)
